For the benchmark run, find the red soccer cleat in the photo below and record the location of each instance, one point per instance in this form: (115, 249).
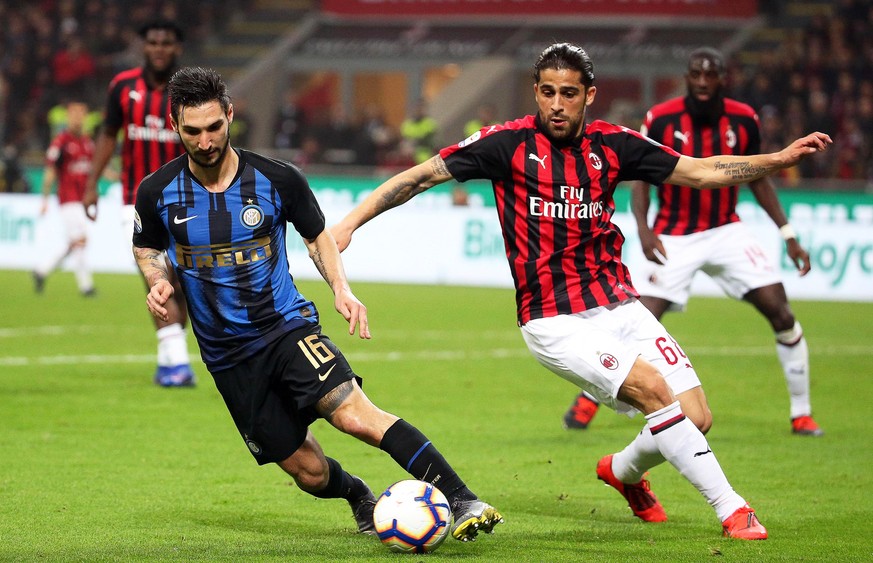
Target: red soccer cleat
(580, 413)
(743, 525)
(805, 426)
(640, 498)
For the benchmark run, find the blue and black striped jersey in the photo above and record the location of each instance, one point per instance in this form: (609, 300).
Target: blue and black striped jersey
(228, 250)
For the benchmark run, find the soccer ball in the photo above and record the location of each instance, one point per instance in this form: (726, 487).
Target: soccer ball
(412, 517)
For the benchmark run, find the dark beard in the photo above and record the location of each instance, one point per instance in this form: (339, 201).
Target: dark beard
(706, 112)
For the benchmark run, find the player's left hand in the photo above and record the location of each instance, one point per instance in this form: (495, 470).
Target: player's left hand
(799, 256)
(353, 311)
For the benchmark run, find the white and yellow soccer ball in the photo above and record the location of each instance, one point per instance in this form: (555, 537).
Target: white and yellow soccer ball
(412, 517)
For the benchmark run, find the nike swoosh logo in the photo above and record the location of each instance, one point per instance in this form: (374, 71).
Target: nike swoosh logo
(179, 221)
(323, 377)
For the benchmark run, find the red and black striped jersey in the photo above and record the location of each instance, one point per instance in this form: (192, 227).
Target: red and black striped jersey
(684, 210)
(143, 113)
(555, 204)
(71, 156)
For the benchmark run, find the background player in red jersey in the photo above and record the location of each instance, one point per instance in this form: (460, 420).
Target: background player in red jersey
(554, 176)
(68, 162)
(700, 230)
(137, 104)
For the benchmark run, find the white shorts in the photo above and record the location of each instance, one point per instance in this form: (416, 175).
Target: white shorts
(75, 220)
(596, 349)
(729, 254)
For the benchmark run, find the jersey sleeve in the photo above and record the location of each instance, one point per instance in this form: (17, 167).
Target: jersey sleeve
(642, 158)
(148, 229)
(113, 115)
(299, 205)
(482, 155)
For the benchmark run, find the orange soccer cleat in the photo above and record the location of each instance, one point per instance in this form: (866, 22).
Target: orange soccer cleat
(744, 525)
(580, 413)
(805, 426)
(640, 498)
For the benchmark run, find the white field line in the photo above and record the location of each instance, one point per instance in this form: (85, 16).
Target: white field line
(427, 355)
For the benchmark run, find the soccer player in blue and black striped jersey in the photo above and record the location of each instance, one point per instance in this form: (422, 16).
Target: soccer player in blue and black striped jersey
(554, 176)
(220, 214)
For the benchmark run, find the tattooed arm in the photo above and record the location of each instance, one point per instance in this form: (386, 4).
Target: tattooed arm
(396, 191)
(153, 266)
(326, 257)
(729, 170)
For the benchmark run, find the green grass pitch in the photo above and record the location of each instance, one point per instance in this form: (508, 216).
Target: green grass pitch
(98, 464)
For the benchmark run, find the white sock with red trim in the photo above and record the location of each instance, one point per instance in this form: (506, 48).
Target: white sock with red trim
(685, 447)
(794, 356)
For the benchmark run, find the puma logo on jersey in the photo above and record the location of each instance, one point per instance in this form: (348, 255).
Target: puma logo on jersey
(681, 136)
(491, 129)
(323, 377)
(134, 95)
(542, 161)
(178, 220)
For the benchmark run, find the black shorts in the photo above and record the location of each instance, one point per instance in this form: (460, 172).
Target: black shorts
(272, 395)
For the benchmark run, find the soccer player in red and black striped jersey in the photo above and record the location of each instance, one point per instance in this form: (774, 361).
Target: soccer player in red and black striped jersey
(554, 176)
(700, 230)
(137, 105)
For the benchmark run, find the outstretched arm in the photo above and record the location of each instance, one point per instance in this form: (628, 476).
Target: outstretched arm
(728, 170)
(326, 257)
(153, 266)
(765, 193)
(395, 191)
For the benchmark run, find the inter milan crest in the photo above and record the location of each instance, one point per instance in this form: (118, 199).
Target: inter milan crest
(251, 216)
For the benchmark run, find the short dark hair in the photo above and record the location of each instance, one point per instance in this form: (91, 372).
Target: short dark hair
(194, 86)
(710, 54)
(566, 56)
(163, 25)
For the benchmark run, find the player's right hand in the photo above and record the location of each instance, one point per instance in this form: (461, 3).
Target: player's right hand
(653, 249)
(158, 296)
(89, 201)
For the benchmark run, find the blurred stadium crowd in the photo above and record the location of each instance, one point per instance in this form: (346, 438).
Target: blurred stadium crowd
(820, 77)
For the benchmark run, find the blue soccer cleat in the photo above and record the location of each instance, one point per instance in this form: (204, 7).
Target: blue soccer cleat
(175, 376)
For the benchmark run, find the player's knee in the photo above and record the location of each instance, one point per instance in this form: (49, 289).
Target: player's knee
(646, 389)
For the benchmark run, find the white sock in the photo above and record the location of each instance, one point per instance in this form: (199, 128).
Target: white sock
(81, 270)
(172, 346)
(794, 356)
(685, 447)
(639, 456)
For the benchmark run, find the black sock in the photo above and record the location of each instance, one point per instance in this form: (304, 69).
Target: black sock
(339, 483)
(414, 452)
